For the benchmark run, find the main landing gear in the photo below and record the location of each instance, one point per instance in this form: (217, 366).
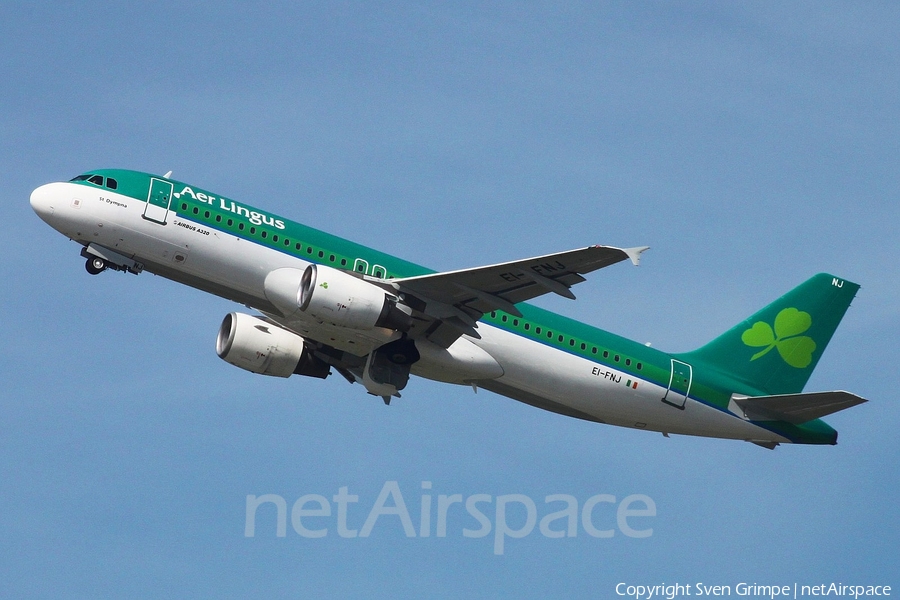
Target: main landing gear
(95, 265)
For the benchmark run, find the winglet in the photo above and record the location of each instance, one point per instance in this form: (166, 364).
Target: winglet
(635, 254)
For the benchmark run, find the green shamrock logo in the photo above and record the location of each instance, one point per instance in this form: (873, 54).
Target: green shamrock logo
(324, 284)
(795, 349)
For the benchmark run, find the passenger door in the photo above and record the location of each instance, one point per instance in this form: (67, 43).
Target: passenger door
(679, 384)
(158, 200)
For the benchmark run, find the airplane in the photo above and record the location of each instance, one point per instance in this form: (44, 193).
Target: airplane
(325, 303)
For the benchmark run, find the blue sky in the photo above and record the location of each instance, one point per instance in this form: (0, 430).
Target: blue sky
(750, 146)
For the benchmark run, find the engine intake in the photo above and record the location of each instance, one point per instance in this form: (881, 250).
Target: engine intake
(258, 346)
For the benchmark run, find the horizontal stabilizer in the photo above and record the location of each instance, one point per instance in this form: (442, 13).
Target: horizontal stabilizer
(792, 408)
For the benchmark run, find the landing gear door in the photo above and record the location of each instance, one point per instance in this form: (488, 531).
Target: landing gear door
(158, 201)
(679, 384)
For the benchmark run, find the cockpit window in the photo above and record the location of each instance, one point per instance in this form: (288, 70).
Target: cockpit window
(98, 180)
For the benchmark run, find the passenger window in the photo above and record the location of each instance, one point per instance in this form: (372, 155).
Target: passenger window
(112, 183)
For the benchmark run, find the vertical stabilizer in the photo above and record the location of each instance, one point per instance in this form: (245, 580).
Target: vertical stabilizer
(776, 350)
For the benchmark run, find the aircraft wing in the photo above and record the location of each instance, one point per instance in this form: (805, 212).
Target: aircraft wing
(455, 300)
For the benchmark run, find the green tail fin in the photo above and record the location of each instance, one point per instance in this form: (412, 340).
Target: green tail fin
(776, 350)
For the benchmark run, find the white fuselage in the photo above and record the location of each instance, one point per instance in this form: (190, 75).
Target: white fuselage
(236, 268)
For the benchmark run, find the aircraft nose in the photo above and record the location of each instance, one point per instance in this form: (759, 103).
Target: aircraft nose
(42, 202)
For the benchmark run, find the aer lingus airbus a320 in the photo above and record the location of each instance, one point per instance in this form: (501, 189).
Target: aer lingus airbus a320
(329, 304)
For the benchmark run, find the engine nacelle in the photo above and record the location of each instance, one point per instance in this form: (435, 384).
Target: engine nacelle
(341, 299)
(258, 346)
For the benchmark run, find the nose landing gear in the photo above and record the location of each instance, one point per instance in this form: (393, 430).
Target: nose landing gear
(100, 259)
(95, 265)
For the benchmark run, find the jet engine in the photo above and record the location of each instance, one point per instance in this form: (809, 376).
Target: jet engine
(336, 297)
(257, 345)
